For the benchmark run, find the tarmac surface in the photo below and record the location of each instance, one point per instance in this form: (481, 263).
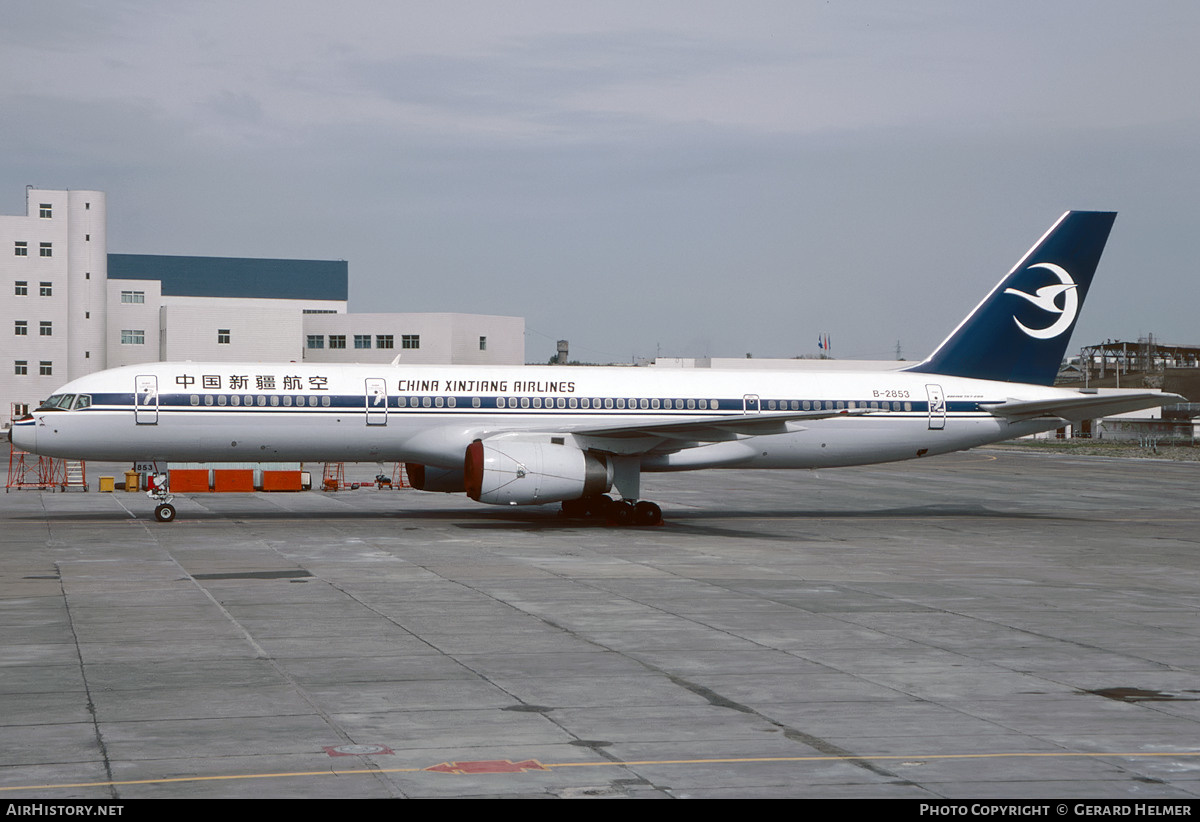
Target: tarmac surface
(983, 625)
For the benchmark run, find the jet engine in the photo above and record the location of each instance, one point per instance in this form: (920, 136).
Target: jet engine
(517, 472)
(432, 478)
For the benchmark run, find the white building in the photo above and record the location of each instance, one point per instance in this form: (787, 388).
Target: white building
(53, 301)
(68, 308)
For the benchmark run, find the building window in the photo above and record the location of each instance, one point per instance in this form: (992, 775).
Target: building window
(384, 341)
(319, 311)
(133, 296)
(45, 368)
(46, 328)
(223, 336)
(45, 211)
(316, 340)
(21, 367)
(21, 248)
(21, 288)
(337, 340)
(46, 249)
(483, 343)
(135, 336)
(46, 289)
(21, 329)
(410, 341)
(362, 340)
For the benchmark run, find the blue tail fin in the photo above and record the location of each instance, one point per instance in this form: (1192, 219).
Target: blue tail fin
(1020, 331)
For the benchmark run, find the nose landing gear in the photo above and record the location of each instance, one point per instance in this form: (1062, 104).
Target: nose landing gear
(159, 491)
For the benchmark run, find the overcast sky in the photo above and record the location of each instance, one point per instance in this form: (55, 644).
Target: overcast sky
(682, 178)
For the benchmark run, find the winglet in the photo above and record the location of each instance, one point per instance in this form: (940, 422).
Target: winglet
(1020, 331)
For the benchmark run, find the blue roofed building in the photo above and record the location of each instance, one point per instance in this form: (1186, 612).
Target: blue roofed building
(236, 277)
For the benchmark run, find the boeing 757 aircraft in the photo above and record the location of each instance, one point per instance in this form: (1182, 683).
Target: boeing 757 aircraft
(542, 434)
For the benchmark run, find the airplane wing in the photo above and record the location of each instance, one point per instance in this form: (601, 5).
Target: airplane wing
(1084, 406)
(635, 438)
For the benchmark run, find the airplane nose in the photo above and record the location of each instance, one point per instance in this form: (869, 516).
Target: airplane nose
(24, 435)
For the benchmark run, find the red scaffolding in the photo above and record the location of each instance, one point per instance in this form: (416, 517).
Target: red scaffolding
(25, 470)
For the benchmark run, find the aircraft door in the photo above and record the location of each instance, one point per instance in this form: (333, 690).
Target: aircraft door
(376, 401)
(937, 407)
(751, 404)
(145, 399)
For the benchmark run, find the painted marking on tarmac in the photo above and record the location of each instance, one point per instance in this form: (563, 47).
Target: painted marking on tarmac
(508, 766)
(489, 766)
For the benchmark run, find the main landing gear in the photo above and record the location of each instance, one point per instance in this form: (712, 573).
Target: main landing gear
(615, 512)
(160, 493)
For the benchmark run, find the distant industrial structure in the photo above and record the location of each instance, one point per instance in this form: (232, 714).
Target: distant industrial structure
(73, 308)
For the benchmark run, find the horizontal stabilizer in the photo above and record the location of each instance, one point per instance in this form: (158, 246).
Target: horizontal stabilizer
(1084, 406)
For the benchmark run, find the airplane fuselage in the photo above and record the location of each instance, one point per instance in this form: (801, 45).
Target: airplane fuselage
(234, 412)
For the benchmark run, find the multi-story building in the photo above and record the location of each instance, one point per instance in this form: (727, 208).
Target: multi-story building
(68, 308)
(53, 301)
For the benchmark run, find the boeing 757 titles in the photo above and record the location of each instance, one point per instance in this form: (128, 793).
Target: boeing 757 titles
(544, 434)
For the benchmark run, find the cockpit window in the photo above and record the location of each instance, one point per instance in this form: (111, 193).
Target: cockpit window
(82, 401)
(58, 401)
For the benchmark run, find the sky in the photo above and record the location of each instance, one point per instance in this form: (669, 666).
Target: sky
(647, 178)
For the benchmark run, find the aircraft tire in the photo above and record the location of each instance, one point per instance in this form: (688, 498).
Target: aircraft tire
(647, 513)
(599, 506)
(164, 513)
(621, 513)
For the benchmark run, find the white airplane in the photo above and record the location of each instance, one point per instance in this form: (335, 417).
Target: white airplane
(542, 434)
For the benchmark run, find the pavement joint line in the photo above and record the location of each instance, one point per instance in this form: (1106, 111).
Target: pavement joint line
(740, 760)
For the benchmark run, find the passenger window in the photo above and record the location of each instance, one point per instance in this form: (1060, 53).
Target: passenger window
(195, 399)
(221, 399)
(274, 400)
(262, 399)
(235, 400)
(208, 399)
(608, 403)
(475, 402)
(325, 401)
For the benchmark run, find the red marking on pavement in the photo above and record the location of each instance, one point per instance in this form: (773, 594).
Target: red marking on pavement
(489, 766)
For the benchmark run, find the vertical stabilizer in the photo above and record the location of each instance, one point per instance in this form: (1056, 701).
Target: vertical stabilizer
(1019, 333)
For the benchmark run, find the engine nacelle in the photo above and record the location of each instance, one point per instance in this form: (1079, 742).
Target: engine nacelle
(432, 478)
(515, 472)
